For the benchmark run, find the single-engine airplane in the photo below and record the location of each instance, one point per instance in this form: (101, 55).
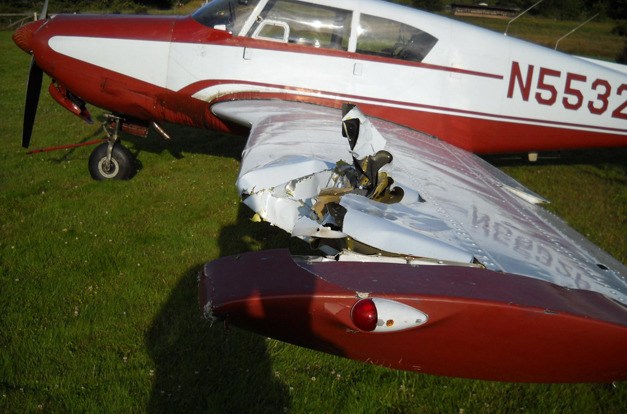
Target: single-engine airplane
(363, 117)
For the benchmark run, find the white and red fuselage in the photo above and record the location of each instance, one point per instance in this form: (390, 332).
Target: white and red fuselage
(545, 313)
(476, 89)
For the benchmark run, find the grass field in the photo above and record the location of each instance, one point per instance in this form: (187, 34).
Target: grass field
(98, 309)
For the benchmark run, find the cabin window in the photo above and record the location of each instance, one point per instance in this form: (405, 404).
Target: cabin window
(225, 14)
(272, 30)
(391, 39)
(303, 23)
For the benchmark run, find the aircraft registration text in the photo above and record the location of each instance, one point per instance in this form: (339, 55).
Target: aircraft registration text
(575, 86)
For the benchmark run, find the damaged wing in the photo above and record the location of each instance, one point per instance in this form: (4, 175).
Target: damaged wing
(369, 190)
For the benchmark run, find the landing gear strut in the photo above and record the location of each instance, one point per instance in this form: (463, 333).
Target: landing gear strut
(111, 160)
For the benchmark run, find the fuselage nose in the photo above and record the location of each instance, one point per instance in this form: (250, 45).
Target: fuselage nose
(23, 37)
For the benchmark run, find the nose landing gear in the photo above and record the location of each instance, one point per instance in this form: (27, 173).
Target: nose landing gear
(111, 160)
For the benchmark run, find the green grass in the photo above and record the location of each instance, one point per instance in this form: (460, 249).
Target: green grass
(98, 309)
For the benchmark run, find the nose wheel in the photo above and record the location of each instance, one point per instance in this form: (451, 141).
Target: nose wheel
(116, 164)
(111, 160)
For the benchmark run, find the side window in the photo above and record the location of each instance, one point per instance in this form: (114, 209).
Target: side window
(302, 23)
(272, 30)
(392, 39)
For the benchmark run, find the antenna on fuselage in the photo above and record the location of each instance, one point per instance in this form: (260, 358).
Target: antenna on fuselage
(510, 22)
(574, 30)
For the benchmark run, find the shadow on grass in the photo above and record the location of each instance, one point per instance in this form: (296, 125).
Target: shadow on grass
(608, 164)
(201, 141)
(183, 140)
(190, 140)
(595, 156)
(205, 368)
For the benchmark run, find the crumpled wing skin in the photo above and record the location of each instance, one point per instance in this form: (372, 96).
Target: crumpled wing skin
(455, 209)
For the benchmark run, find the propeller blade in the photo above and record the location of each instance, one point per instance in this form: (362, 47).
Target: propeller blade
(33, 89)
(44, 11)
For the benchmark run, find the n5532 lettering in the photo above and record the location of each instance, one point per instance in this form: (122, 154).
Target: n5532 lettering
(571, 96)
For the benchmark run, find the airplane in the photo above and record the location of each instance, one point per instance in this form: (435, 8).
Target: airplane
(363, 119)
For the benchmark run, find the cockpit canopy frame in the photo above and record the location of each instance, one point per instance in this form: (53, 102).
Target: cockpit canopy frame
(318, 25)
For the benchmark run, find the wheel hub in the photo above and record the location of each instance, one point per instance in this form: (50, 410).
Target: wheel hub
(108, 168)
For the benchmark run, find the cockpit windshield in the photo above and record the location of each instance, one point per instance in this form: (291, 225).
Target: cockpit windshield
(225, 14)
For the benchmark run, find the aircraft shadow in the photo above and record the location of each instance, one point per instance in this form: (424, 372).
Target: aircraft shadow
(205, 368)
(609, 164)
(593, 156)
(186, 139)
(182, 140)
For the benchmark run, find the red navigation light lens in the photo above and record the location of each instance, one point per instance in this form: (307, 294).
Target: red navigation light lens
(364, 315)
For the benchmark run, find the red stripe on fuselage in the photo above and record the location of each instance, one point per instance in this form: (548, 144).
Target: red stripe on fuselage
(198, 86)
(123, 94)
(461, 128)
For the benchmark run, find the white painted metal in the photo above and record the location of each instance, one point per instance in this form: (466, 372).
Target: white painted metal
(456, 207)
(119, 55)
(466, 74)
(394, 316)
(471, 211)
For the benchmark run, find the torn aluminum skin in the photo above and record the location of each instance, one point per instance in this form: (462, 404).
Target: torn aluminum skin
(428, 202)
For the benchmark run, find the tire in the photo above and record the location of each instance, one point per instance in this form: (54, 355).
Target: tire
(122, 165)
